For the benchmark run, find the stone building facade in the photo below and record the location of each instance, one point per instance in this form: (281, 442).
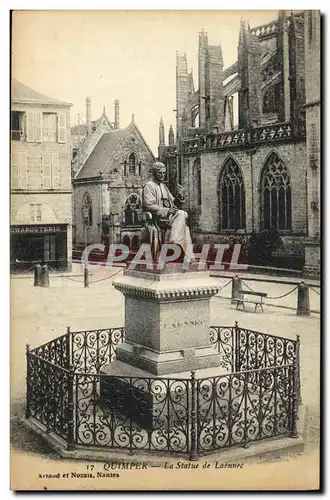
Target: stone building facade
(41, 210)
(246, 139)
(108, 182)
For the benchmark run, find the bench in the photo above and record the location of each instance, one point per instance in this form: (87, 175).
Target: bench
(257, 302)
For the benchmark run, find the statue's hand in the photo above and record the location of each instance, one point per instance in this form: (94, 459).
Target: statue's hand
(179, 191)
(172, 211)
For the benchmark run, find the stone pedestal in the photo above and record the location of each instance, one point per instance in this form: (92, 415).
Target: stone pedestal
(167, 320)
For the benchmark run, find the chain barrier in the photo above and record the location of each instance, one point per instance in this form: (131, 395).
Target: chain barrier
(284, 295)
(314, 290)
(224, 286)
(247, 286)
(275, 297)
(82, 281)
(106, 278)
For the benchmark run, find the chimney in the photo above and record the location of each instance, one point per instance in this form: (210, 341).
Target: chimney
(116, 113)
(89, 115)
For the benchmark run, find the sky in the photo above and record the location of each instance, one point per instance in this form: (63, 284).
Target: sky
(125, 55)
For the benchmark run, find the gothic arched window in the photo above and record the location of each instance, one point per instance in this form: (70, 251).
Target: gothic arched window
(133, 207)
(275, 194)
(132, 163)
(197, 188)
(87, 209)
(231, 196)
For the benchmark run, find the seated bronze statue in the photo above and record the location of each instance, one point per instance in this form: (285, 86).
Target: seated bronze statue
(165, 222)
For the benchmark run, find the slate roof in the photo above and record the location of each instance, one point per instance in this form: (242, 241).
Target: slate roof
(22, 93)
(101, 154)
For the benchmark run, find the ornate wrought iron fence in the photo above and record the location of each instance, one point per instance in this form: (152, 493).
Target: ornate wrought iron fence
(132, 413)
(47, 394)
(92, 349)
(260, 350)
(256, 399)
(56, 351)
(238, 408)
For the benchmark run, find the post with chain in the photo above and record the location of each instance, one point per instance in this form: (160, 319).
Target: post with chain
(45, 276)
(295, 397)
(303, 304)
(237, 363)
(86, 277)
(70, 438)
(28, 382)
(236, 289)
(37, 275)
(193, 415)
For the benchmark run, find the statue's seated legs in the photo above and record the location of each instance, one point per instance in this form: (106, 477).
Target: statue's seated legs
(173, 231)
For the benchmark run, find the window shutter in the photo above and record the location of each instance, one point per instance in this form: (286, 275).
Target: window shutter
(30, 126)
(14, 171)
(32, 213)
(23, 173)
(38, 126)
(46, 167)
(61, 137)
(55, 171)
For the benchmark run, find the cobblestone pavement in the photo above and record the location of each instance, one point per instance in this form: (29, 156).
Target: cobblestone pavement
(41, 314)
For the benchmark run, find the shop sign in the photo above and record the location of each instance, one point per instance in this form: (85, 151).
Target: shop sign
(50, 228)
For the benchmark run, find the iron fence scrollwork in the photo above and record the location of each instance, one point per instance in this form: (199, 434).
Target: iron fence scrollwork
(255, 396)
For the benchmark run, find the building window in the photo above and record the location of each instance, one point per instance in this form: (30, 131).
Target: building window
(231, 197)
(49, 127)
(275, 194)
(87, 209)
(133, 207)
(132, 163)
(271, 99)
(197, 188)
(17, 126)
(35, 212)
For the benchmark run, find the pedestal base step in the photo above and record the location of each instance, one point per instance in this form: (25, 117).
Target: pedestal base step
(166, 362)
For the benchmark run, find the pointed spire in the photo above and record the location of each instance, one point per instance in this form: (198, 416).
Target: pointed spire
(220, 53)
(132, 117)
(242, 32)
(161, 132)
(171, 136)
(103, 109)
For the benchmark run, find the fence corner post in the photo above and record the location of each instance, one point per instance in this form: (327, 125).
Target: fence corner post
(298, 367)
(237, 363)
(193, 430)
(295, 396)
(68, 353)
(28, 382)
(70, 438)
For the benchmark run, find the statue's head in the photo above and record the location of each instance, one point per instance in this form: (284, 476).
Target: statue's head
(158, 171)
